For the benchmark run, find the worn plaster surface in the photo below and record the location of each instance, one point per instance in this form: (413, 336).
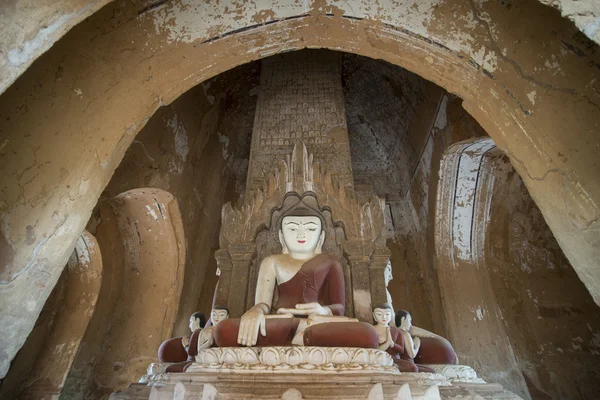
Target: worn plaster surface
(67, 121)
(473, 322)
(584, 14)
(29, 28)
(84, 277)
(553, 323)
(193, 149)
(150, 232)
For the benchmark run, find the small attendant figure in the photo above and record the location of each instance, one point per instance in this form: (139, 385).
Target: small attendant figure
(382, 316)
(427, 347)
(197, 321)
(391, 338)
(206, 337)
(411, 346)
(180, 351)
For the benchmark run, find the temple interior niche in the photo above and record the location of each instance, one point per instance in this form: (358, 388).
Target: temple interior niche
(399, 126)
(197, 148)
(548, 316)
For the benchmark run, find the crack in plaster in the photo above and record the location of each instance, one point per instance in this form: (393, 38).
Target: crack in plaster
(581, 225)
(477, 16)
(35, 253)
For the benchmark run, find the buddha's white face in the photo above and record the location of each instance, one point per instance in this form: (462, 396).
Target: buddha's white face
(301, 234)
(382, 316)
(217, 316)
(194, 323)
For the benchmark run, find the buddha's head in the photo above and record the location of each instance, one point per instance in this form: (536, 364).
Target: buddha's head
(301, 236)
(387, 273)
(218, 314)
(197, 321)
(403, 320)
(382, 314)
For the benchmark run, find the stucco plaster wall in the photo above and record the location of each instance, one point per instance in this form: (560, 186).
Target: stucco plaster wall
(584, 14)
(552, 321)
(524, 73)
(183, 150)
(26, 358)
(150, 231)
(29, 28)
(59, 349)
(441, 122)
(197, 148)
(473, 318)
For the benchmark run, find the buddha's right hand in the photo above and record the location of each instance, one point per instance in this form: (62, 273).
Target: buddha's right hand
(251, 322)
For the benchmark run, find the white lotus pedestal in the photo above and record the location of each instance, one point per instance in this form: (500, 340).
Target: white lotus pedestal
(296, 359)
(294, 373)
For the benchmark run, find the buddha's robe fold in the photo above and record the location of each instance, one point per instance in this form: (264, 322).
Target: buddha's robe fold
(319, 280)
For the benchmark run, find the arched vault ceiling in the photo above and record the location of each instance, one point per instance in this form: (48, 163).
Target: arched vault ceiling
(523, 71)
(28, 28)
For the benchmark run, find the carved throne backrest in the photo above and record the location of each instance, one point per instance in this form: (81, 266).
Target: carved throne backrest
(355, 229)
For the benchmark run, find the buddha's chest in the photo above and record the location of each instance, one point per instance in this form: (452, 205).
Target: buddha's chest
(284, 271)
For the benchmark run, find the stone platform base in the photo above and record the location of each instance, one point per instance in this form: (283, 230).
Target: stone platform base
(295, 373)
(293, 386)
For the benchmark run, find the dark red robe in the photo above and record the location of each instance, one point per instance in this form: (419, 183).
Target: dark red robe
(319, 280)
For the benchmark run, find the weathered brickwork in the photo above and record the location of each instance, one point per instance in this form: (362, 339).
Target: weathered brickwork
(380, 103)
(300, 98)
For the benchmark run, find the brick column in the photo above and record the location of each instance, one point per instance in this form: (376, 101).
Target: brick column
(379, 260)
(220, 298)
(241, 259)
(358, 254)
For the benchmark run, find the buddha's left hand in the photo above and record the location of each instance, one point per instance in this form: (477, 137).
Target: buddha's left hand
(310, 309)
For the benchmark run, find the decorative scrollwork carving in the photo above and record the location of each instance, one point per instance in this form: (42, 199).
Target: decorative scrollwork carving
(299, 173)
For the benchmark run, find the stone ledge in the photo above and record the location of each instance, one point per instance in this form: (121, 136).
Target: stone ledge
(415, 386)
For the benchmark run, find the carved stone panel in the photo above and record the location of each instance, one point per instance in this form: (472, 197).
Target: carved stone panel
(300, 98)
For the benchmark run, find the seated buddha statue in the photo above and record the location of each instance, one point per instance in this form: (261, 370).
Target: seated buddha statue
(311, 299)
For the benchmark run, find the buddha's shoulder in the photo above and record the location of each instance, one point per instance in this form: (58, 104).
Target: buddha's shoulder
(285, 258)
(273, 258)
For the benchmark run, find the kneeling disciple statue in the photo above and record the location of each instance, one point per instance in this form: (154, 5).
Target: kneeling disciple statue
(311, 295)
(395, 341)
(181, 350)
(432, 348)
(206, 337)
